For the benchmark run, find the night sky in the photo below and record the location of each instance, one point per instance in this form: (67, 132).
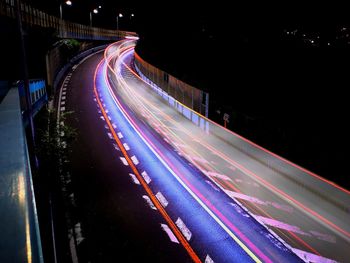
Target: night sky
(281, 68)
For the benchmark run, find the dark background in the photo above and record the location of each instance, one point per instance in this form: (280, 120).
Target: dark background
(280, 69)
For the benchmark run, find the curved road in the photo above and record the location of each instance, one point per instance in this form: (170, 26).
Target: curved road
(152, 186)
(116, 222)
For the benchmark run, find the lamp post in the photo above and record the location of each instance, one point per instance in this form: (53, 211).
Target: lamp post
(119, 15)
(68, 2)
(95, 11)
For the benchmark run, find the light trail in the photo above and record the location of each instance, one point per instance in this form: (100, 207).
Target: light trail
(195, 193)
(155, 201)
(173, 132)
(229, 160)
(193, 190)
(250, 142)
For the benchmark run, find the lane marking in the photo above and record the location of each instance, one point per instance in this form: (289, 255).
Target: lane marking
(281, 225)
(220, 176)
(310, 257)
(63, 108)
(116, 147)
(146, 177)
(134, 160)
(170, 233)
(120, 135)
(162, 199)
(110, 135)
(114, 126)
(134, 179)
(125, 162)
(208, 259)
(149, 202)
(183, 228)
(126, 146)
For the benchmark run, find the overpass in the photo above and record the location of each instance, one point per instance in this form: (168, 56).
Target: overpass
(61, 28)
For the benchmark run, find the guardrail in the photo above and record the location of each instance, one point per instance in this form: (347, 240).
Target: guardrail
(19, 228)
(181, 108)
(63, 29)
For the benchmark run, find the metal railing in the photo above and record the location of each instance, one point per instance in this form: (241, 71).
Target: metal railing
(63, 29)
(194, 98)
(20, 236)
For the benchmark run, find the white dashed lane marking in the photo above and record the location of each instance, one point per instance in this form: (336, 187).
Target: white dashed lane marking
(120, 135)
(116, 147)
(162, 199)
(208, 259)
(146, 177)
(134, 160)
(169, 233)
(149, 202)
(183, 228)
(134, 179)
(126, 146)
(124, 161)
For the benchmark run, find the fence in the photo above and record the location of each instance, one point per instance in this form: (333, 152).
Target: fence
(63, 29)
(191, 97)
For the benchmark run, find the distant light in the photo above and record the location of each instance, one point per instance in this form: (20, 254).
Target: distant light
(312, 41)
(328, 44)
(132, 15)
(99, 7)
(287, 32)
(95, 11)
(120, 15)
(68, 2)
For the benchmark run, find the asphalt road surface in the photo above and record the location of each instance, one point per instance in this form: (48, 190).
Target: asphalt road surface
(116, 222)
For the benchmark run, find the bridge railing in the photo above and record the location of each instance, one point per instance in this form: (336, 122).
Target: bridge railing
(194, 98)
(20, 236)
(64, 29)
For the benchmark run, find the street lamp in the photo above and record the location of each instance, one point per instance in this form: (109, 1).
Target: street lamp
(95, 11)
(119, 15)
(68, 2)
